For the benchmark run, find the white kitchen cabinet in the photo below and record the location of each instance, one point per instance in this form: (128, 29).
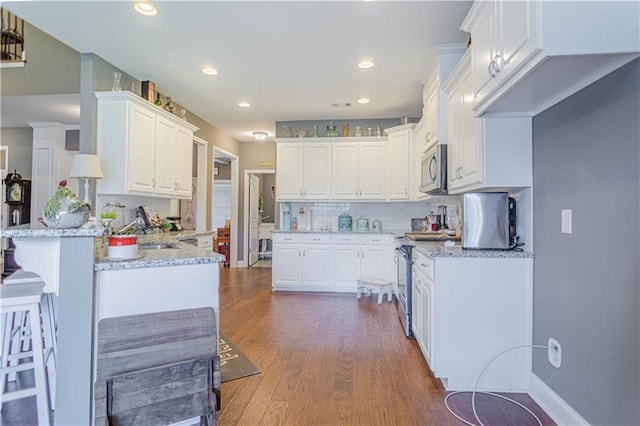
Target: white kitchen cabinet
(303, 171)
(329, 262)
(469, 309)
(402, 171)
(143, 149)
(442, 60)
(300, 262)
(354, 256)
(483, 153)
(359, 171)
(529, 55)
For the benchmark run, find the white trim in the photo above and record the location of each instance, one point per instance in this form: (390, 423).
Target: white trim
(233, 261)
(201, 183)
(556, 407)
(16, 64)
(245, 220)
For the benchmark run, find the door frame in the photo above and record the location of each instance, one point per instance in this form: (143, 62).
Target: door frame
(201, 183)
(245, 261)
(233, 261)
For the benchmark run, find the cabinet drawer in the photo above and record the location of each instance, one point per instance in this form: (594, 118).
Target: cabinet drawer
(316, 238)
(375, 239)
(286, 238)
(345, 239)
(423, 263)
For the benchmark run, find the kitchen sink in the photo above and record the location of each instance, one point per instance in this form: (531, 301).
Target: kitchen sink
(157, 246)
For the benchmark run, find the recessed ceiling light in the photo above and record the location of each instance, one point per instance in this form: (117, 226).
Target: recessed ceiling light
(363, 101)
(244, 104)
(209, 70)
(260, 135)
(365, 64)
(145, 8)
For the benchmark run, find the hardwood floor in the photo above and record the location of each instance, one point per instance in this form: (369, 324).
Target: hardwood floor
(330, 359)
(325, 359)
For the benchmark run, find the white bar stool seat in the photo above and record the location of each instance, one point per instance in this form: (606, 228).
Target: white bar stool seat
(18, 299)
(381, 287)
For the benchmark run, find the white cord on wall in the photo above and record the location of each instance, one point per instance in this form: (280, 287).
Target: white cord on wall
(475, 386)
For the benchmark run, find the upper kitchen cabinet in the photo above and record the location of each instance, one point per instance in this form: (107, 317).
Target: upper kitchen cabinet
(441, 62)
(359, 171)
(483, 153)
(303, 171)
(529, 55)
(143, 149)
(401, 179)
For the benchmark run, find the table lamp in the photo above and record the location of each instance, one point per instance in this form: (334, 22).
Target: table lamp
(86, 166)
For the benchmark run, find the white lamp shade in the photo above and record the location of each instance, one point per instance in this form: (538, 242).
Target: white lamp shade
(86, 166)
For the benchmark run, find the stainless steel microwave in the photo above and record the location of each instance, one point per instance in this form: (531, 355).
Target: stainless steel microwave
(433, 170)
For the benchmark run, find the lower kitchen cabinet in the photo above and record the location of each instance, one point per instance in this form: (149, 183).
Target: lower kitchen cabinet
(469, 309)
(300, 262)
(330, 262)
(354, 256)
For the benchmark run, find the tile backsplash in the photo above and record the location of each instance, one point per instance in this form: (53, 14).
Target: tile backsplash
(394, 216)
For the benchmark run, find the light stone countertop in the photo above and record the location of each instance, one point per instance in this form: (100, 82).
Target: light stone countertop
(281, 231)
(439, 250)
(26, 231)
(186, 254)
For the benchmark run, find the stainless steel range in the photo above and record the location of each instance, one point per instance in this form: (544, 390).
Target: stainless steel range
(403, 270)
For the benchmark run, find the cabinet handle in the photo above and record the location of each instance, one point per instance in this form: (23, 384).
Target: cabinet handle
(153, 183)
(406, 191)
(489, 69)
(299, 252)
(424, 265)
(496, 68)
(301, 192)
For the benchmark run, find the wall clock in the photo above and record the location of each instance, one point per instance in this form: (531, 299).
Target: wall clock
(15, 188)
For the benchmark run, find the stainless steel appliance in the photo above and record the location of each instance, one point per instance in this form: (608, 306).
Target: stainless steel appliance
(489, 221)
(433, 170)
(403, 275)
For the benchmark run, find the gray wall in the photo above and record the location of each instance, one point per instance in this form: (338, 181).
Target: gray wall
(251, 154)
(20, 143)
(586, 284)
(52, 67)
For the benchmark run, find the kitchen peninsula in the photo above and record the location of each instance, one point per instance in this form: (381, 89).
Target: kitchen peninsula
(93, 287)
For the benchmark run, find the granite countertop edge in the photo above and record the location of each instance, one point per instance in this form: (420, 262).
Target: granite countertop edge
(334, 232)
(27, 232)
(439, 250)
(186, 254)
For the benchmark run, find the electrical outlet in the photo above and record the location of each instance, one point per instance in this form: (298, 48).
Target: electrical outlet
(554, 352)
(566, 225)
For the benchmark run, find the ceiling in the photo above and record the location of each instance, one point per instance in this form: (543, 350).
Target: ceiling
(290, 60)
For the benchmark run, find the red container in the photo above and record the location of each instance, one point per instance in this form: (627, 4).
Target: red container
(123, 240)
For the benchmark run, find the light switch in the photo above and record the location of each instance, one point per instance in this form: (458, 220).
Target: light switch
(565, 226)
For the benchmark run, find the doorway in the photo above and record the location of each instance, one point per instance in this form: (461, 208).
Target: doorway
(224, 210)
(260, 211)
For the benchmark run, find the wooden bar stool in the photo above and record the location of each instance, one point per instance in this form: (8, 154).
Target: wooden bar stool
(16, 299)
(380, 286)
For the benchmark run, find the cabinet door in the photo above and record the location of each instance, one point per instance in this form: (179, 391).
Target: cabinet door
(416, 309)
(345, 262)
(165, 160)
(317, 171)
(289, 172)
(141, 146)
(426, 321)
(183, 161)
(315, 265)
(518, 36)
(471, 141)
(483, 51)
(376, 261)
(344, 161)
(454, 137)
(431, 122)
(398, 165)
(287, 264)
(372, 171)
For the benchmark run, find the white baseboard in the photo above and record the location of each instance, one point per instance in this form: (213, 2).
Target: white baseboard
(556, 407)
